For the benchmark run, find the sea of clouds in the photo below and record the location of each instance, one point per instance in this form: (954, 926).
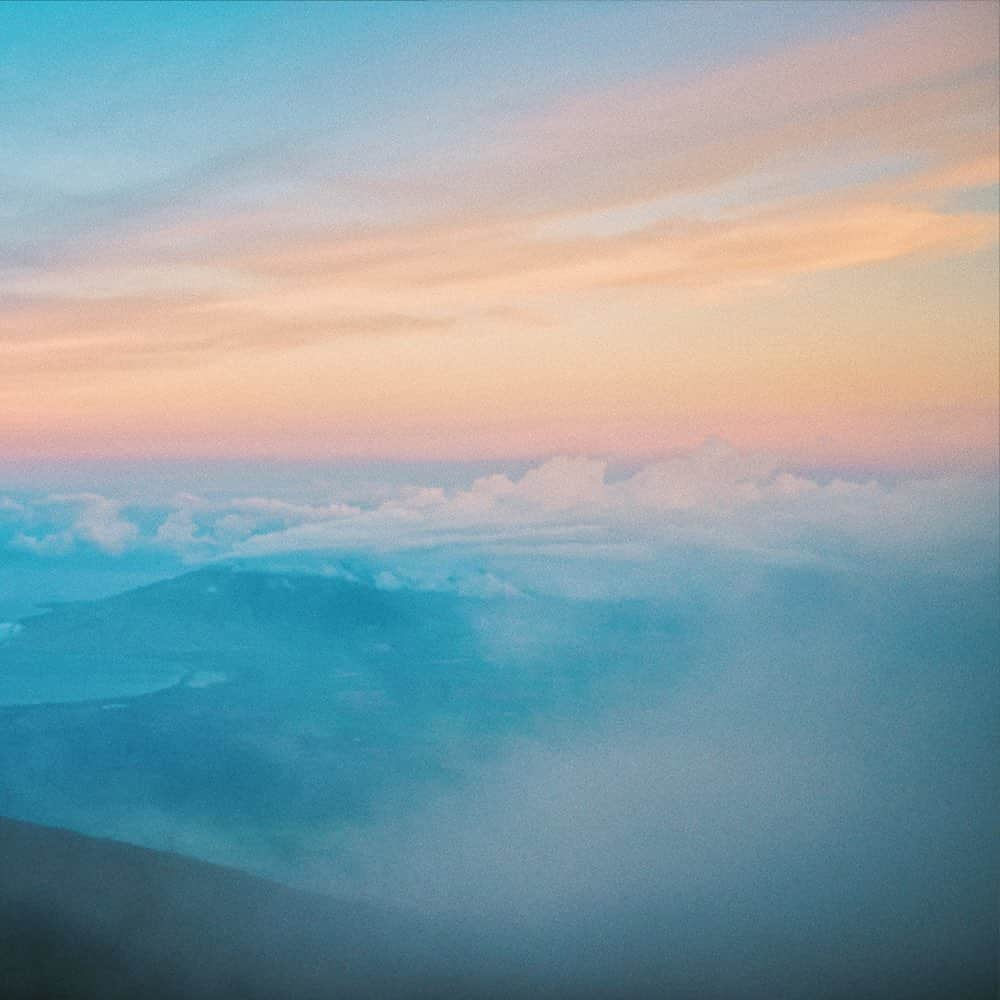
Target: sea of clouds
(809, 810)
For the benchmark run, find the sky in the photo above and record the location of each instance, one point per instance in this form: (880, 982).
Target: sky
(584, 319)
(499, 232)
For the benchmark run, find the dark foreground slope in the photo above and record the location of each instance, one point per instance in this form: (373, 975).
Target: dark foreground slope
(87, 918)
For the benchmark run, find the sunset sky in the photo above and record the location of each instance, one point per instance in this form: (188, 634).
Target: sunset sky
(499, 231)
(531, 467)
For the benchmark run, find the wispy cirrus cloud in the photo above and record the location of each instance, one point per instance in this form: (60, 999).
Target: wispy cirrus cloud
(307, 253)
(72, 333)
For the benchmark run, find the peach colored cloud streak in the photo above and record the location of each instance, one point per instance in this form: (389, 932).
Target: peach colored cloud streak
(838, 155)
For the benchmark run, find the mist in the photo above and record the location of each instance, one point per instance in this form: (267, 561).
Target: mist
(705, 729)
(810, 810)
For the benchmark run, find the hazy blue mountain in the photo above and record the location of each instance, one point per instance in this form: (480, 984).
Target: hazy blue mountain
(261, 705)
(780, 789)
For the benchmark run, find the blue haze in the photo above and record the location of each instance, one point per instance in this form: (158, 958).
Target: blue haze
(755, 753)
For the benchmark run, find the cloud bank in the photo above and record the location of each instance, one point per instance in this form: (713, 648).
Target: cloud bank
(713, 500)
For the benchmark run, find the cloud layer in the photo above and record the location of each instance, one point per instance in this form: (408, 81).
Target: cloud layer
(514, 530)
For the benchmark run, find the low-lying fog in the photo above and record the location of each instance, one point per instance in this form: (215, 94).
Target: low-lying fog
(742, 744)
